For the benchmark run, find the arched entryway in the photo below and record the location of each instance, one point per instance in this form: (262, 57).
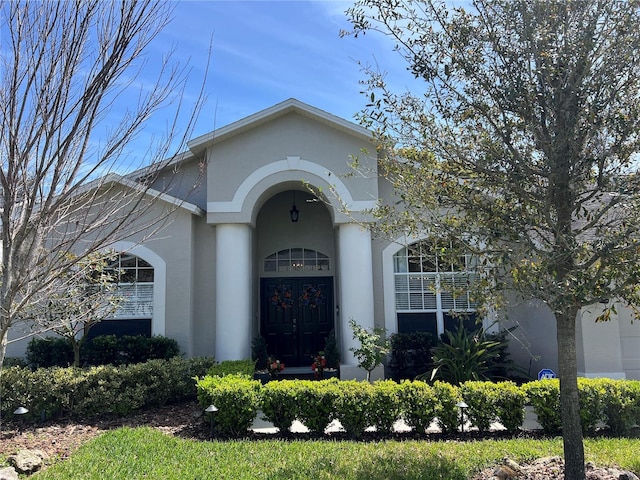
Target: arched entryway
(296, 264)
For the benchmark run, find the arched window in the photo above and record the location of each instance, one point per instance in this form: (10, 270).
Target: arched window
(433, 283)
(296, 260)
(135, 284)
(133, 316)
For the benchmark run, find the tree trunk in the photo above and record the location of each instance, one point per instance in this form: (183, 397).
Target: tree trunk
(569, 402)
(76, 352)
(3, 347)
(3, 350)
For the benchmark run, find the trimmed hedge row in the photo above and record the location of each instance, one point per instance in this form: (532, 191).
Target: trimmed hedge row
(98, 391)
(359, 405)
(103, 350)
(615, 403)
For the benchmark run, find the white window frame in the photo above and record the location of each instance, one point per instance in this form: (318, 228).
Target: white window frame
(391, 278)
(158, 323)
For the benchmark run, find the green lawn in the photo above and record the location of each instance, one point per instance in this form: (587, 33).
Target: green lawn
(145, 453)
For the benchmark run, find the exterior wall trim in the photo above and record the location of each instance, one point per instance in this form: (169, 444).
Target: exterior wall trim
(290, 165)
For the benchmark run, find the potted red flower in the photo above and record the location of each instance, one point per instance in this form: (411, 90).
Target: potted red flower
(274, 367)
(318, 366)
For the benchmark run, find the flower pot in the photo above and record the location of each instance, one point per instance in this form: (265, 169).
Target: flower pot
(331, 373)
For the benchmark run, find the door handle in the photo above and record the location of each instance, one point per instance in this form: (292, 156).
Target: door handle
(295, 324)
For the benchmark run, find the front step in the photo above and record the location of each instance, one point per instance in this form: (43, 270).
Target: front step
(296, 373)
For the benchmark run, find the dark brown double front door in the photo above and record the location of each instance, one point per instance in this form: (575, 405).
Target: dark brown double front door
(296, 317)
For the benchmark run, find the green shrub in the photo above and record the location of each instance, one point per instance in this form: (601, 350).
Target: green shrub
(14, 387)
(317, 405)
(386, 405)
(481, 398)
(352, 406)
(544, 397)
(279, 403)
(109, 390)
(621, 405)
(591, 395)
(60, 390)
(38, 391)
(510, 403)
(49, 352)
(112, 350)
(14, 362)
(17, 388)
(237, 399)
(197, 366)
(411, 354)
(259, 353)
(332, 351)
(159, 379)
(447, 412)
(464, 355)
(139, 349)
(99, 391)
(233, 367)
(418, 403)
(102, 350)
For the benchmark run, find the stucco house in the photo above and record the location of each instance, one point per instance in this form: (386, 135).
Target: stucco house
(249, 251)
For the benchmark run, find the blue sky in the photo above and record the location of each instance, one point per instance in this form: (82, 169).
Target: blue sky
(264, 52)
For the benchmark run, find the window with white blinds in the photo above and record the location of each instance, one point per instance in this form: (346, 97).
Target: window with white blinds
(429, 277)
(135, 279)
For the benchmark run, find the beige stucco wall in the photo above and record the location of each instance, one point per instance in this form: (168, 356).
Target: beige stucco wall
(598, 343)
(174, 243)
(204, 288)
(629, 342)
(532, 341)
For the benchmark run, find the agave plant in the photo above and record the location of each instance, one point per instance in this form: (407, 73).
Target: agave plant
(464, 355)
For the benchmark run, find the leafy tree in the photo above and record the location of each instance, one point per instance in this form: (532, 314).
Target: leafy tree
(373, 349)
(524, 144)
(65, 65)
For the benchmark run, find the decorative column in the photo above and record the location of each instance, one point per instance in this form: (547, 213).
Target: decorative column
(233, 292)
(356, 290)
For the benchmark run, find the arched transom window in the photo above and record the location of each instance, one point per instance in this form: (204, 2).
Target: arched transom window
(433, 287)
(296, 260)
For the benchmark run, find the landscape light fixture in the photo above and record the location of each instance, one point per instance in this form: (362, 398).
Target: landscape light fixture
(462, 406)
(294, 213)
(211, 410)
(20, 411)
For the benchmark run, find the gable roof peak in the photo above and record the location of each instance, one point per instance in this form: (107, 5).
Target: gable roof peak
(200, 143)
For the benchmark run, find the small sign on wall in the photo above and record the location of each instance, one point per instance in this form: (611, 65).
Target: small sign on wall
(546, 373)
